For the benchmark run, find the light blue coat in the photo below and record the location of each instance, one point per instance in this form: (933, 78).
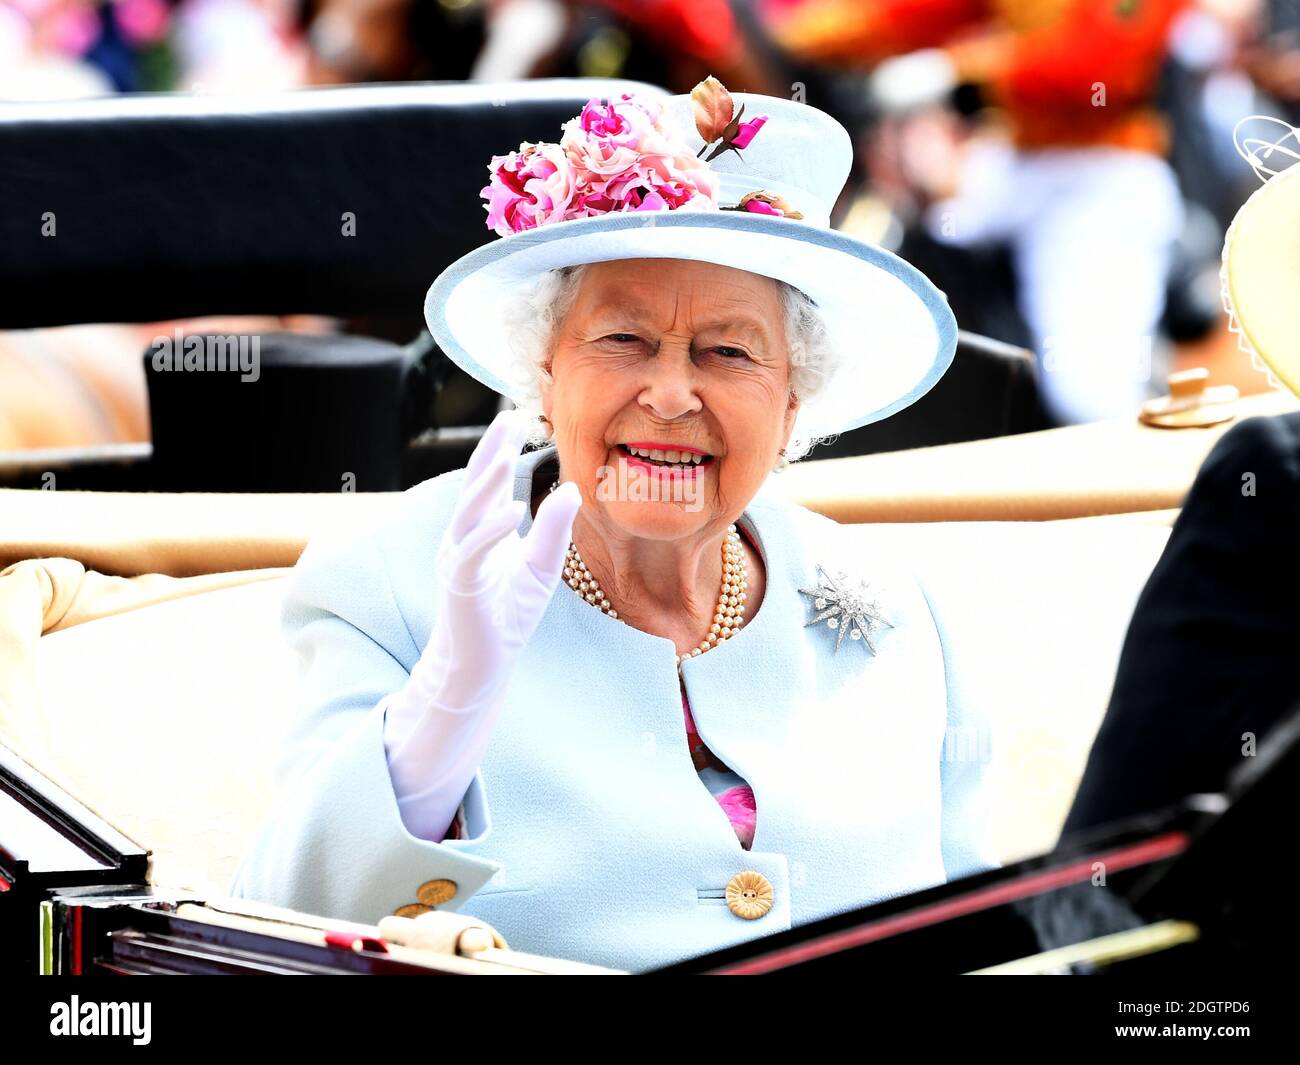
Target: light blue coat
(590, 835)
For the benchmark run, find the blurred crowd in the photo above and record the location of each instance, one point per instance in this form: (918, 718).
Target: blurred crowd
(1085, 226)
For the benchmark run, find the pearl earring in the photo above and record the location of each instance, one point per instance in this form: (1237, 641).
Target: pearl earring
(782, 463)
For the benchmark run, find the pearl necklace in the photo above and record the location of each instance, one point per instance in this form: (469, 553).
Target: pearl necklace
(728, 617)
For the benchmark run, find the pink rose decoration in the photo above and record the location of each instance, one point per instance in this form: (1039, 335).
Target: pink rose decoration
(619, 155)
(530, 187)
(713, 109)
(718, 120)
(746, 132)
(763, 202)
(625, 122)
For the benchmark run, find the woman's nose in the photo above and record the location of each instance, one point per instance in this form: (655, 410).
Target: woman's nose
(670, 389)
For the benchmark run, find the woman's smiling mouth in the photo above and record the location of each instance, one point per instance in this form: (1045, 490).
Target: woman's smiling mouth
(663, 460)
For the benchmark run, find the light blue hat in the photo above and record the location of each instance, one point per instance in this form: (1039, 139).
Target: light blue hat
(892, 327)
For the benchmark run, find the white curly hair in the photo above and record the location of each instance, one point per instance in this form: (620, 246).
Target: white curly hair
(531, 323)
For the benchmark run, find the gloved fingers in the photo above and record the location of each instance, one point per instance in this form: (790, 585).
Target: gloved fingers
(548, 540)
(489, 475)
(489, 443)
(467, 568)
(489, 484)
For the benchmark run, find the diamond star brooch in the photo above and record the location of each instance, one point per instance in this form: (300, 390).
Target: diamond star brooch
(848, 609)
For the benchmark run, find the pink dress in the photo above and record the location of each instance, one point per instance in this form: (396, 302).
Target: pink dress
(733, 794)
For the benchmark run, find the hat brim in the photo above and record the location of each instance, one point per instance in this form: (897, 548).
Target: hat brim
(894, 330)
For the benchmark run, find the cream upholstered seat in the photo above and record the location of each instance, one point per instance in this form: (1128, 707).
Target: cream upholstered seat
(166, 719)
(1035, 615)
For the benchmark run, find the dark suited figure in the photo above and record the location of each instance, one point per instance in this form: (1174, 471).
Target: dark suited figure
(1213, 649)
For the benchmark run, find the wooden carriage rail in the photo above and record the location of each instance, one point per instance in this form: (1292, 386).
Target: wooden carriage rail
(1107, 468)
(1112, 467)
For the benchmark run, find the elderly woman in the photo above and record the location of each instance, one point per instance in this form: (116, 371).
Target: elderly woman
(610, 696)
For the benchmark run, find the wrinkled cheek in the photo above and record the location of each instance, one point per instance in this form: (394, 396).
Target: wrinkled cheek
(738, 478)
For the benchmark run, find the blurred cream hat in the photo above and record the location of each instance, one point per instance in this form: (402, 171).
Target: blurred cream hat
(1261, 255)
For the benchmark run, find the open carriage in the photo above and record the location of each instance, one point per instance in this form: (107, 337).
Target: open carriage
(144, 679)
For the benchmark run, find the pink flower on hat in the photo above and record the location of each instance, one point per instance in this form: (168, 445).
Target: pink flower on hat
(530, 187)
(759, 207)
(620, 155)
(628, 122)
(745, 132)
(764, 202)
(718, 119)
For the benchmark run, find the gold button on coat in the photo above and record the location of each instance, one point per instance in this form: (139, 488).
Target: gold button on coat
(436, 892)
(749, 894)
(412, 909)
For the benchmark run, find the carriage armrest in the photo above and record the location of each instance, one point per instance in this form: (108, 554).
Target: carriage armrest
(1112, 467)
(179, 534)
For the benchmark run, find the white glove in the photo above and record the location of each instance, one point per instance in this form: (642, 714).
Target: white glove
(493, 588)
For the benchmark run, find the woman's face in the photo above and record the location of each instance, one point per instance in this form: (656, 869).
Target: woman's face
(670, 353)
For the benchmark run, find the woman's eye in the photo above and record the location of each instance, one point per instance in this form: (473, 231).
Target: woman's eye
(623, 338)
(732, 353)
